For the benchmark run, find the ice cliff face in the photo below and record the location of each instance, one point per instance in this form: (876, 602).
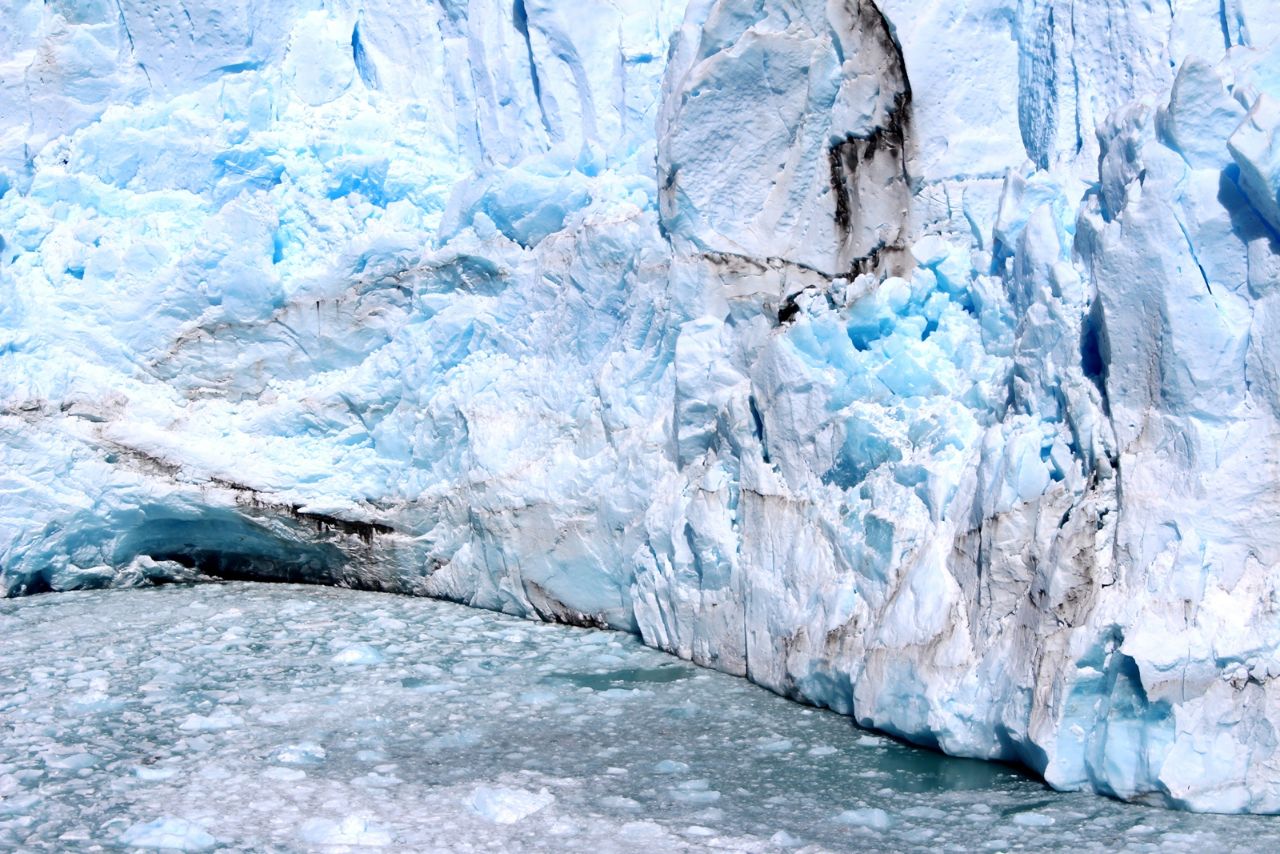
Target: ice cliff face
(914, 359)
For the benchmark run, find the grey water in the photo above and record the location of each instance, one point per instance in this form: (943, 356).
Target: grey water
(253, 717)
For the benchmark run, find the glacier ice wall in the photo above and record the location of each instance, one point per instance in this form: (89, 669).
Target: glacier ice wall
(913, 359)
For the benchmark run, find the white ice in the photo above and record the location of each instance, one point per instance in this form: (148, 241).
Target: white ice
(918, 360)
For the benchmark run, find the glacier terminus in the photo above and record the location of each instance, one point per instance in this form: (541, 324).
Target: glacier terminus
(916, 359)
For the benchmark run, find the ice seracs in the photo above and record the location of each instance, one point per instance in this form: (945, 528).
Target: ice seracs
(913, 361)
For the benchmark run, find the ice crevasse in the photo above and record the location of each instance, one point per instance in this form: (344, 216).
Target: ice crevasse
(916, 359)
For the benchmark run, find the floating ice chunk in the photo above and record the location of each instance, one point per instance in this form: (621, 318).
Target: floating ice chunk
(172, 834)
(782, 839)
(671, 766)
(694, 792)
(564, 827)
(221, 719)
(358, 654)
(503, 805)
(352, 830)
(143, 570)
(151, 773)
(781, 745)
(872, 817)
(73, 761)
(1033, 819)
(303, 753)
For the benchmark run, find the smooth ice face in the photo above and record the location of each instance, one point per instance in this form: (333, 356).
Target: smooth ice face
(916, 362)
(472, 731)
(821, 110)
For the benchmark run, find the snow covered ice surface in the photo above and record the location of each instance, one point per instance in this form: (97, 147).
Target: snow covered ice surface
(225, 717)
(915, 358)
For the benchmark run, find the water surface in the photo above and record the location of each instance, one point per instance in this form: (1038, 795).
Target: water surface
(288, 718)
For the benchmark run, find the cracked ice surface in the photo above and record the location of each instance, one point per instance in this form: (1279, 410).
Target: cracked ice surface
(253, 717)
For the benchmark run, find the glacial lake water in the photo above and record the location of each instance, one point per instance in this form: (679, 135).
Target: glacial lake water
(285, 718)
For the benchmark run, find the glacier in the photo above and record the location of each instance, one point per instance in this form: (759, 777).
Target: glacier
(911, 359)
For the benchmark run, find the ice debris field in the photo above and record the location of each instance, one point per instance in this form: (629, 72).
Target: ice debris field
(275, 717)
